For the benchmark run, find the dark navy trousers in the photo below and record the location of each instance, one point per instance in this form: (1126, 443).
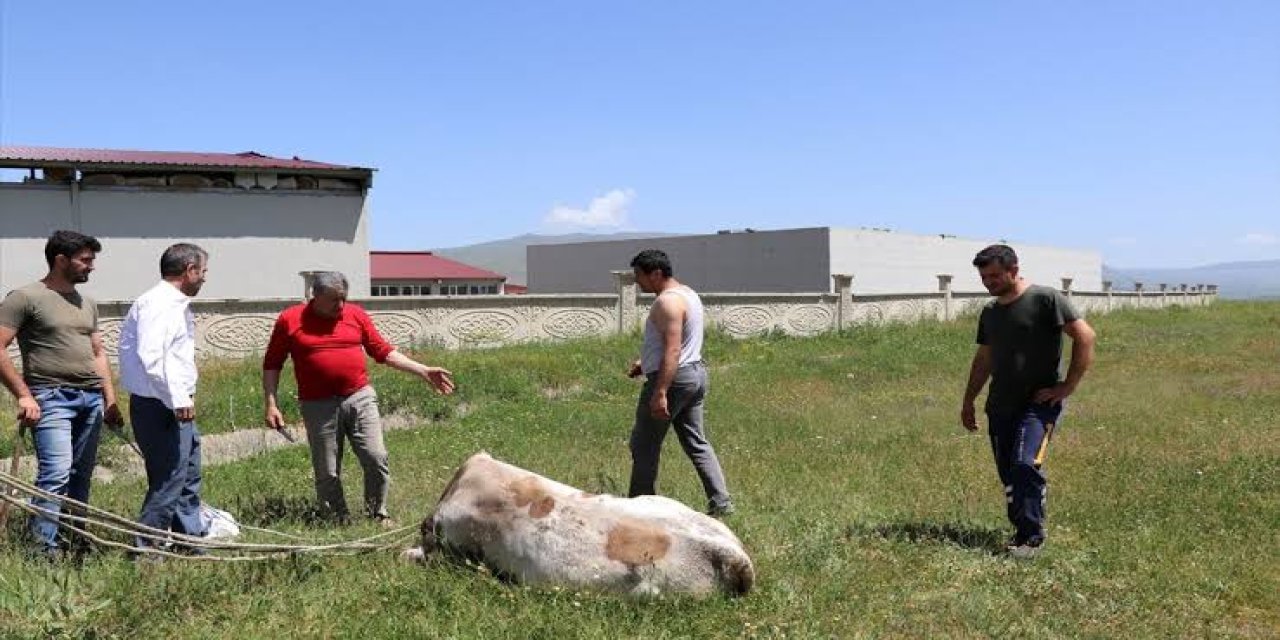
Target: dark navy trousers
(172, 452)
(1019, 443)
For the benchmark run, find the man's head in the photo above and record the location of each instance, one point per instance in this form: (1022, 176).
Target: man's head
(652, 267)
(185, 265)
(998, 267)
(70, 255)
(328, 293)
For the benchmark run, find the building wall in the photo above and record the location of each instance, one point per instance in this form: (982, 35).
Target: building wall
(886, 262)
(257, 241)
(790, 261)
(803, 260)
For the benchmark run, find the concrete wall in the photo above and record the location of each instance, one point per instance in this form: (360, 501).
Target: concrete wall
(790, 261)
(884, 262)
(257, 242)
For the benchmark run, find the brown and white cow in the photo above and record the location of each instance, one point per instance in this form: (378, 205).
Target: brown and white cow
(539, 531)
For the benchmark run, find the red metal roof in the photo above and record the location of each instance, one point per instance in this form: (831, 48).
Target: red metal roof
(23, 156)
(423, 265)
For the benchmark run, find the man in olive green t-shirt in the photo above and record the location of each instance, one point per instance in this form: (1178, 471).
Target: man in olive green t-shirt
(1020, 350)
(64, 393)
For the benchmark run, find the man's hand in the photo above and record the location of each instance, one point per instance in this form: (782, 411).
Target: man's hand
(439, 378)
(634, 370)
(658, 406)
(185, 414)
(28, 411)
(275, 419)
(1054, 395)
(968, 417)
(112, 416)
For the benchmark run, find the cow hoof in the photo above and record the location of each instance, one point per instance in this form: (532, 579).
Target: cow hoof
(413, 554)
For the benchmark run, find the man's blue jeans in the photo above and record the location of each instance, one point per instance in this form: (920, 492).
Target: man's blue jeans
(66, 443)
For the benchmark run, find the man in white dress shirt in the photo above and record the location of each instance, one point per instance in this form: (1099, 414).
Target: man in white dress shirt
(158, 367)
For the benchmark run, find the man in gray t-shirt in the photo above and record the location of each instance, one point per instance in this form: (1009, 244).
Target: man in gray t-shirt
(1020, 350)
(64, 393)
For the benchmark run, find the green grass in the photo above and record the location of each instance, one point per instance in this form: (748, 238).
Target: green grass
(868, 510)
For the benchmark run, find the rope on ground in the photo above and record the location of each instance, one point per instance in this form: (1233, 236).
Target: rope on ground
(113, 522)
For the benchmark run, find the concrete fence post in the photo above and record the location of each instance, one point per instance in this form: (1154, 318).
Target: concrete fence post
(1164, 295)
(1066, 287)
(1106, 289)
(307, 278)
(944, 285)
(1137, 288)
(628, 299)
(1182, 289)
(843, 284)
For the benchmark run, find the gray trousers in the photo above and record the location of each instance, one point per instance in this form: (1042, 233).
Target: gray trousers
(355, 418)
(684, 402)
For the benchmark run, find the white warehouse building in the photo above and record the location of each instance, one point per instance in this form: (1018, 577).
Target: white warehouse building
(263, 220)
(802, 261)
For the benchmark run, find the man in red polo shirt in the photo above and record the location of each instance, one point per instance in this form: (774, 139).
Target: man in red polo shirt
(328, 339)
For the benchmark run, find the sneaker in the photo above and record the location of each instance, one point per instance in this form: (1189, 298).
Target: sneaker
(1025, 549)
(721, 510)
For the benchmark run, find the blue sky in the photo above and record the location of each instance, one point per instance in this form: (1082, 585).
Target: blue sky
(1149, 131)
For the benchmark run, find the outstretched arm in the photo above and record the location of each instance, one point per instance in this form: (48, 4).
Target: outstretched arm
(437, 377)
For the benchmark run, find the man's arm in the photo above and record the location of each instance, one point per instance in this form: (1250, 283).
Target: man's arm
(668, 318)
(437, 377)
(1082, 340)
(111, 410)
(272, 364)
(979, 373)
(270, 385)
(28, 408)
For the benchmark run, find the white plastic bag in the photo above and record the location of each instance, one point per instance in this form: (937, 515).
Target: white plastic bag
(218, 523)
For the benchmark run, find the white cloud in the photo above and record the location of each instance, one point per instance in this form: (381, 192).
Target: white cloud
(1258, 239)
(606, 211)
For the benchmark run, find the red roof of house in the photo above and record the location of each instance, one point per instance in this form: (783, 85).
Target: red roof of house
(23, 157)
(423, 265)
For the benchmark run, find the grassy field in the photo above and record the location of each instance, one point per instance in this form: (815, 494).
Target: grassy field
(868, 510)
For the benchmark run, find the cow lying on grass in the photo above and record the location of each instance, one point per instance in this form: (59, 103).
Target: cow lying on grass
(538, 531)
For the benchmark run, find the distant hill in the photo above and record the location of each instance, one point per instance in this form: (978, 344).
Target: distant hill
(1239, 280)
(508, 256)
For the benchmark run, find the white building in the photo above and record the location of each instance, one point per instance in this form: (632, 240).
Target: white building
(263, 220)
(803, 260)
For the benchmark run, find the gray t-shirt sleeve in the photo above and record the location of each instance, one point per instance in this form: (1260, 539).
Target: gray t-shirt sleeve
(14, 310)
(1064, 312)
(982, 327)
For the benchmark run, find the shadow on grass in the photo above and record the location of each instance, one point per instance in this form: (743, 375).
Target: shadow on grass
(968, 536)
(266, 511)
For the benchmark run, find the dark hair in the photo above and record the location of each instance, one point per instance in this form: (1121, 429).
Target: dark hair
(651, 260)
(1001, 254)
(69, 243)
(176, 259)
